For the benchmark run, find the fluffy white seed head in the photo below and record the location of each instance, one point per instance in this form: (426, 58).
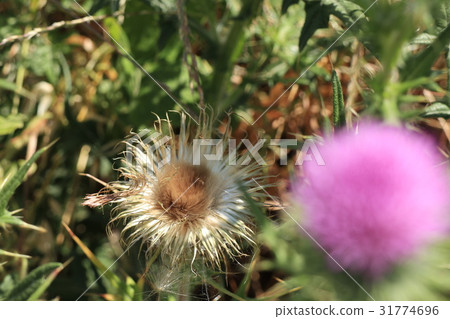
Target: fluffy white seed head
(184, 209)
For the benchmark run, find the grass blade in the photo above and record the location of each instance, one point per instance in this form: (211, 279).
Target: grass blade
(115, 281)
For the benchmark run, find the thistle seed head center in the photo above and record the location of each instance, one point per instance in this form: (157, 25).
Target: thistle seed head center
(185, 191)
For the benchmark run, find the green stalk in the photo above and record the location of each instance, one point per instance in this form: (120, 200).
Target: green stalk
(229, 52)
(448, 74)
(389, 106)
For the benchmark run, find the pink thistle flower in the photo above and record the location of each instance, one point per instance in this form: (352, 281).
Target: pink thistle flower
(379, 198)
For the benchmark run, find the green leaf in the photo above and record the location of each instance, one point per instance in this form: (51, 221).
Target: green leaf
(8, 218)
(47, 282)
(11, 123)
(436, 110)
(317, 17)
(117, 32)
(347, 11)
(286, 4)
(338, 102)
(13, 182)
(442, 17)
(25, 288)
(419, 65)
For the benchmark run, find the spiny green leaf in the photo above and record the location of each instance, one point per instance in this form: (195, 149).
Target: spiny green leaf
(317, 17)
(25, 288)
(8, 218)
(437, 110)
(347, 11)
(338, 102)
(442, 17)
(48, 281)
(419, 65)
(13, 182)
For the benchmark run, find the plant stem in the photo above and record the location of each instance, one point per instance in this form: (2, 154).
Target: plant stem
(389, 102)
(228, 53)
